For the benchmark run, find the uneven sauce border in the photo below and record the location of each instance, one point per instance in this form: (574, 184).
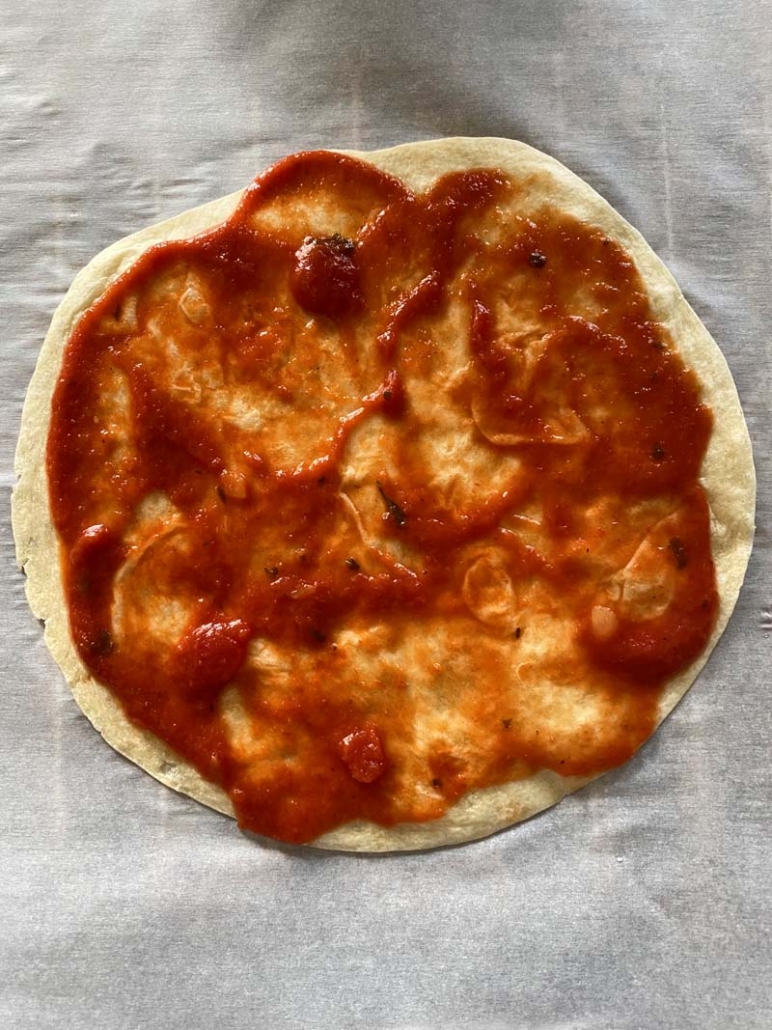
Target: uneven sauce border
(667, 457)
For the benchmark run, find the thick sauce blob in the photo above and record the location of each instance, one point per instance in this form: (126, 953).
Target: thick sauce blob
(369, 499)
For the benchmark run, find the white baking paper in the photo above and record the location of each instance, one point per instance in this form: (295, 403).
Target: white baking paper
(642, 902)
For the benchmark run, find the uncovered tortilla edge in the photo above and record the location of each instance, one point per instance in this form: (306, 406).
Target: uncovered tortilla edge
(728, 476)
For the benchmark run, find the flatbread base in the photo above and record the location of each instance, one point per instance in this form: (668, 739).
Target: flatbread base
(728, 477)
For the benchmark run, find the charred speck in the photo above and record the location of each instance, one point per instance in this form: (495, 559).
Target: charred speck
(321, 480)
(679, 552)
(102, 644)
(658, 452)
(341, 243)
(507, 724)
(436, 783)
(318, 636)
(221, 494)
(272, 572)
(518, 633)
(392, 508)
(536, 259)
(353, 564)
(387, 395)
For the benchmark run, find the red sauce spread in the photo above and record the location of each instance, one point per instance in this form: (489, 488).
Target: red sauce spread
(368, 499)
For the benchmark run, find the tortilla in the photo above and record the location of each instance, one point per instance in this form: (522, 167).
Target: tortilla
(727, 477)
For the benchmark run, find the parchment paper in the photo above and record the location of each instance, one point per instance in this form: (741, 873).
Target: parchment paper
(641, 902)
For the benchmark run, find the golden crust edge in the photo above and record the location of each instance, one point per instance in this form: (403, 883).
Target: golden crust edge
(485, 811)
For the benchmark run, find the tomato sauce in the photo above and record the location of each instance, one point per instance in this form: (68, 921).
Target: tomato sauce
(227, 380)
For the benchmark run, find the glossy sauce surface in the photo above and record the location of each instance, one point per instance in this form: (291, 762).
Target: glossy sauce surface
(368, 499)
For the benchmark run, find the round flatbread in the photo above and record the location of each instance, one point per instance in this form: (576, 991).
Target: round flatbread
(449, 354)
